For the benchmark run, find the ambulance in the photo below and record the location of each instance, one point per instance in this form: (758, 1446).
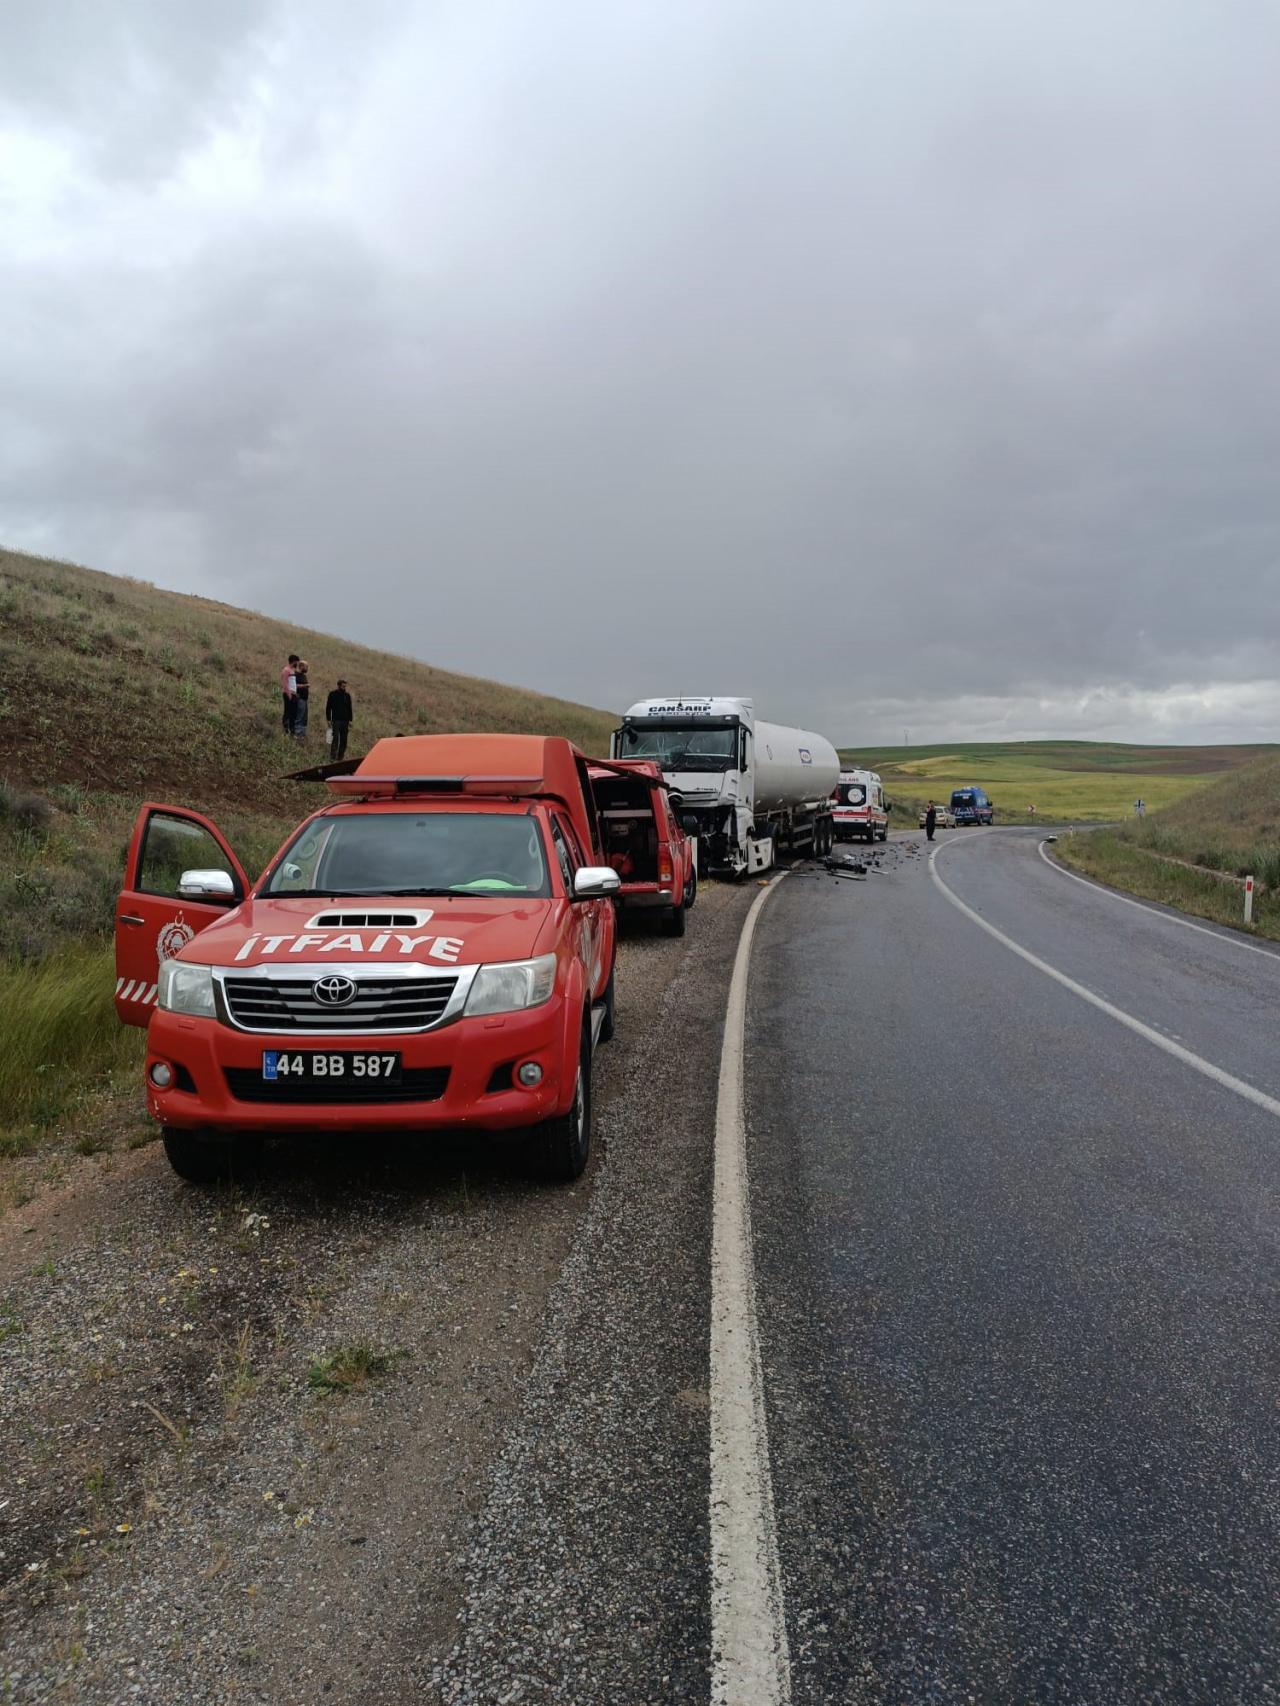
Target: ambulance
(434, 948)
(858, 807)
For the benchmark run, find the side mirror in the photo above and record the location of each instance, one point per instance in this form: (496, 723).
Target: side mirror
(593, 882)
(207, 885)
(689, 823)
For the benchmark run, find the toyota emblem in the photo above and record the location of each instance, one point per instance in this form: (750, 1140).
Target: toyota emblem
(334, 991)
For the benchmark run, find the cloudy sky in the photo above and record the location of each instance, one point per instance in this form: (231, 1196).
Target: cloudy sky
(903, 363)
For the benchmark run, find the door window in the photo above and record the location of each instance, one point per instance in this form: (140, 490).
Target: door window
(173, 845)
(563, 854)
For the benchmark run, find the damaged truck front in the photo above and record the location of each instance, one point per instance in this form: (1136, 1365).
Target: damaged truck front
(747, 789)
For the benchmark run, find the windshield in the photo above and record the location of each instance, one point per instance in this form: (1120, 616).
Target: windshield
(851, 794)
(967, 798)
(694, 748)
(402, 853)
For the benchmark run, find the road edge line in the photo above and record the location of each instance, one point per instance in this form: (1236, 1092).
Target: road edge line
(1219, 935)
(1197, 1062)
(750, 1660)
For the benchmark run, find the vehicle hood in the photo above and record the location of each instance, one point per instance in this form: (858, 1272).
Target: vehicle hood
(444, 930)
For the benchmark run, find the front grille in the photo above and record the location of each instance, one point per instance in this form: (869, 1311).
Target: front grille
(380, 1005)
(417, 1084)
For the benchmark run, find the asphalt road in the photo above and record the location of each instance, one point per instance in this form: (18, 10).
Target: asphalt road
(1018, 1275)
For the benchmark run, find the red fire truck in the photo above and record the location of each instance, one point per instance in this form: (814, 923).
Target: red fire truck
(433, 948)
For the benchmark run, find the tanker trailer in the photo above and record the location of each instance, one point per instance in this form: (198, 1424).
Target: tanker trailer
(748, 790)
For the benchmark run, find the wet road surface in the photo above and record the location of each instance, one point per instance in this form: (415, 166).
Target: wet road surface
(1018, 1279)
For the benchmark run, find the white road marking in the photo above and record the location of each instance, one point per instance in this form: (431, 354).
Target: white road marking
(750, 1663)
(1227, 1080)
(1126, 900)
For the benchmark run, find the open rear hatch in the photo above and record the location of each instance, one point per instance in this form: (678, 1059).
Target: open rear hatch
(628, 830)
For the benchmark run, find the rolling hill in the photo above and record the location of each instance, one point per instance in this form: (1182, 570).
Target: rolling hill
(1066, 780)
(113, 684)
(1230, 826)
(113, 691)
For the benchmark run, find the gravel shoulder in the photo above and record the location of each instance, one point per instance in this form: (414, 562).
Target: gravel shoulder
(187, 1515)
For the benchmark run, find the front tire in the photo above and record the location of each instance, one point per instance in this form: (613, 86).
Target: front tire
(200, 1161)
(561, 1146)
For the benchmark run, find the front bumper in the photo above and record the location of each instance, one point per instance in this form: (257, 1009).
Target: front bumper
(474, 1052)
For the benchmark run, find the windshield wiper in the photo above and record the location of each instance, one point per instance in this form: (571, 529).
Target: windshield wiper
(397, 894)
(304, 894)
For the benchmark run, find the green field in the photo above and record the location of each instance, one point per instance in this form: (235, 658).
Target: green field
(1066, 781)
(1231, 825)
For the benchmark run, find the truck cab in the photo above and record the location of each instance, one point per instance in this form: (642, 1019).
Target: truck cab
(750, 787)
(433, 948)
(858, 807)
(644, 840)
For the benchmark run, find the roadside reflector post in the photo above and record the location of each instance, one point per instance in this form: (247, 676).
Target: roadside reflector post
(1248, 900)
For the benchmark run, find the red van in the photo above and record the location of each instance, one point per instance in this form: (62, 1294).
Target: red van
(433, 948)
(643, 839)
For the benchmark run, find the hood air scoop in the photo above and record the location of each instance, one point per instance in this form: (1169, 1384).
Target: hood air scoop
(367, 920)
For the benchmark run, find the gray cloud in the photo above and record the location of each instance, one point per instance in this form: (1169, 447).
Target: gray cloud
(901, 363)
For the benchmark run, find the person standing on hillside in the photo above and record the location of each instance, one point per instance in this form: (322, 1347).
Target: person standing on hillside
(302, 703)
(289, 691)
(338, 714)
(930, 820)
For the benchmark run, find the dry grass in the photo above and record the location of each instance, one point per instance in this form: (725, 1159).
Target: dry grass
(177, 697)
(1118, 860)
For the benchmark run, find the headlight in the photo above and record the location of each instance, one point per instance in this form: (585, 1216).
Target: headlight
(186, 988)
(504, 989)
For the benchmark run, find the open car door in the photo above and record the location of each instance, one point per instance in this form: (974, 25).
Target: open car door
(153, 918)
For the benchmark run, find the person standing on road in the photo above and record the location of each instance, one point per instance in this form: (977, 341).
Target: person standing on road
(930, 820)
(338, 715)
(289, 691)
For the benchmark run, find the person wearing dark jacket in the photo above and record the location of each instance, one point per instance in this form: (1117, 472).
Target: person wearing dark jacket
(930, 821)
(302, 701)
(338, 715)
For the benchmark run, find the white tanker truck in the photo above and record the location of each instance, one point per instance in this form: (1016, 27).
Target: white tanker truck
(747, 789)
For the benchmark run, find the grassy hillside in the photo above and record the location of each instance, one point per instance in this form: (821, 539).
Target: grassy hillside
(1238, 812)
(112, 691)
(1066, 781)
(1231, 826)
(113, 684)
